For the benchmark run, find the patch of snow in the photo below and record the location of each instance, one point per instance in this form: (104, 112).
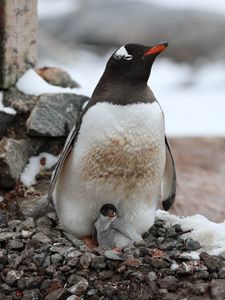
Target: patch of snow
(210, 235)
(33, 84)
(7, 110)
(1, 199)
(35, 165)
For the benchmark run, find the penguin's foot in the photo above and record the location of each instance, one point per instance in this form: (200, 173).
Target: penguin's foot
(118, 250)
(88, 240)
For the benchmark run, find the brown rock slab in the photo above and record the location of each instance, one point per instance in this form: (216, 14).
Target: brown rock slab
(200, 164)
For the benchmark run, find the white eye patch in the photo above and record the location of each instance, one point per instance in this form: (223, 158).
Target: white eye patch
(122, 53)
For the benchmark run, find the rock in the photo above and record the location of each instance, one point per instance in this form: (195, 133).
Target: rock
(6, 120)
(169, 283)
(14, 155)
(34, 207)
(80, 284)
(217, 291)
(222, 273)
(3, 218)
(56, 295)
(152, 276)
(211, 262)
(184, 269)
(199, 287)
(159, 263)
(56, 258)
(22, 103)
(12, 276)
(42, 238)
(86, 259)
(56, 76)
(192, 245)
(15, 244)
(89, 25)
(73, 239)
(113, 255)
(132, 262)
(98, 263)
(28, 224)
(60, 248)
(203, 274)
(55, 114)
(39, 258)
(4, 236)
(31, 294)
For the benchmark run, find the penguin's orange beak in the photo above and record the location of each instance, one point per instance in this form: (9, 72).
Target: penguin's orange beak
(158, 48)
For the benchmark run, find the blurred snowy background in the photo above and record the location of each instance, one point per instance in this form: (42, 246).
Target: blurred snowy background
(188, 79)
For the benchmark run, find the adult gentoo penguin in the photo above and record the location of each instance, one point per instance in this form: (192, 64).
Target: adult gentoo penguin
(118, 152)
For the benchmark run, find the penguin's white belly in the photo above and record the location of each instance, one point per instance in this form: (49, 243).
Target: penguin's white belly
(118, 158)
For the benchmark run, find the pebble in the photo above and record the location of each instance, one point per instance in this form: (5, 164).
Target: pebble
(42, 238)
(60, 248)
(222, 273)
(211, 262)
(152, 276)
(113, 255)
(15, 244)
(38, 259)
(132, 262)
(56, 258)
(192, 245)
(12, 276)
(79, 284)
(170, 283)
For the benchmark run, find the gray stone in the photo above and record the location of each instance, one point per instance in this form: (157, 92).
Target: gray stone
(217, 289)
(211, 262)
(26, 225)
(170, 283)
(152, 276)
(13, 224)
(6, 120)
(41, 237)
(3, 218)
(38, 259)
(98, 263)
(80, 284)
(14, 155)
(199, 287)
(43, 222)
(60, 248)
(168, 245)
(86, 259)
(77, 242)
(184, 269)
(159, 263)
(56, 295)
(20, 102)
(12, 276)
(15, 244)
(34, 207)
(202, 274)
(4, 236)
(90, 25)
(56, 258)
(113, 255)
(222, 273)
(31, 294)
(55, 114)
(192, 245)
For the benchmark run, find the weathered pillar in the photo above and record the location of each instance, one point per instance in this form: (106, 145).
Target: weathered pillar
(18, 39)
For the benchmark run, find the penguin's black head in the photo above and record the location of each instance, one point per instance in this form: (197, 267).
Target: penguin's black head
(133, 61)
(108, 210)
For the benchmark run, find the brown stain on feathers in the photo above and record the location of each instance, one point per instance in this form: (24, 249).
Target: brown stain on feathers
(121, 165)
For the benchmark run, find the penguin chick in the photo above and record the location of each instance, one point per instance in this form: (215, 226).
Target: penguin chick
(112, 231)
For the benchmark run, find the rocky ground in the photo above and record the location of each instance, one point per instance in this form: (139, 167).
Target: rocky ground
(38, 260)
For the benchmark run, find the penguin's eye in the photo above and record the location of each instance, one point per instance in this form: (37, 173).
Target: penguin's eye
(122, 53)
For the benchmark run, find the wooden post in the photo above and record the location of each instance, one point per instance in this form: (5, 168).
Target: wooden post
(18, 39)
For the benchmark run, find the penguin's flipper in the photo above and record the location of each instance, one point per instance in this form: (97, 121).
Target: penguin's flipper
(66, 150)
(169, 179)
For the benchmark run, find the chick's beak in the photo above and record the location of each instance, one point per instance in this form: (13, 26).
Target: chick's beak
(111, 214)
(158, 48)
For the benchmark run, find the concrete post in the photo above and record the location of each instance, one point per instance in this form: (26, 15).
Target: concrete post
(18, 39)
